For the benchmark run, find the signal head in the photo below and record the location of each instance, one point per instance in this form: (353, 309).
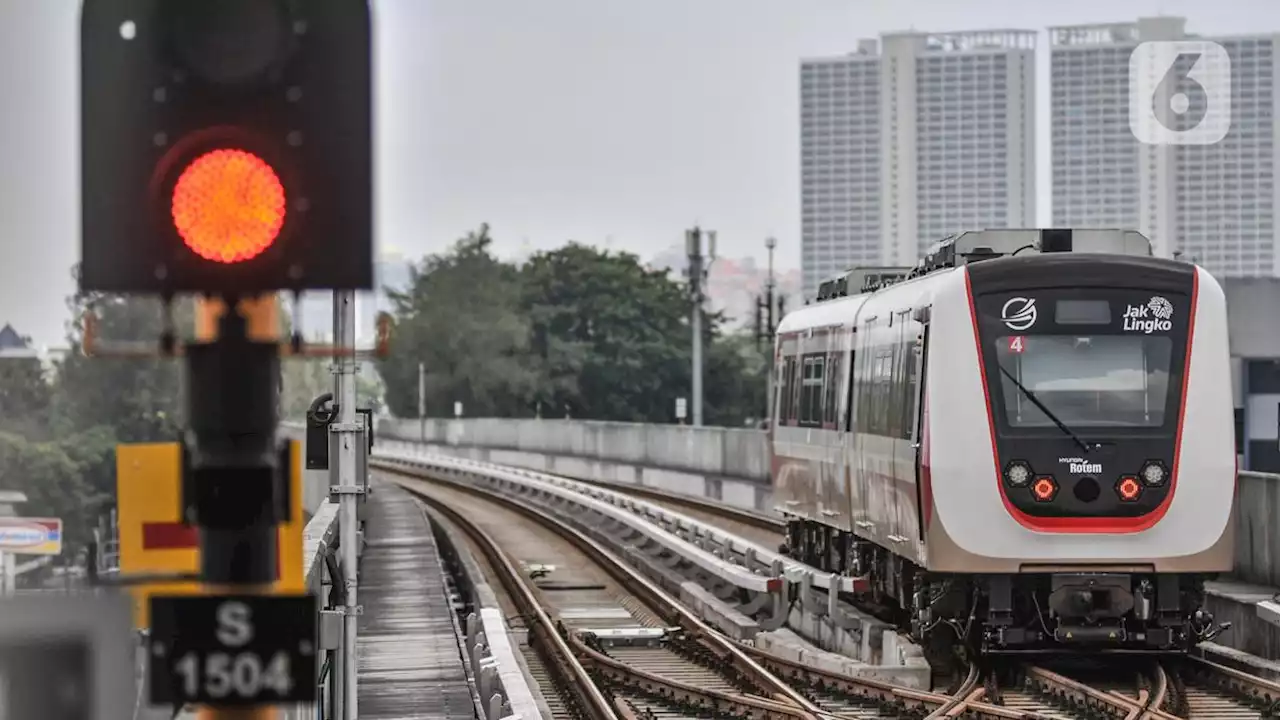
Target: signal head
(226, 146)
(228, 206)
(228, 42)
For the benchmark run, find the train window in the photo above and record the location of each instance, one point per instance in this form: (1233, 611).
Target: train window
(875, 395)
(864, 391)
(831, 382)
(816, 389)
(780, 392)
(796, 390)
(806, 373)
(849, 395)
(811, 390)
(880, 412)
(1105, 380)
(786, 383)
(911, 367)
(793, 390)
(893, 388)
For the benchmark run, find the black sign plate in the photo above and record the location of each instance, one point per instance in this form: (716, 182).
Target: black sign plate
(233, 649)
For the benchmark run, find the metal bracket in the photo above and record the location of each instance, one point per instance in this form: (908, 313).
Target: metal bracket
(356, 610)
(346, 490)
(92, 346)
(346, 427)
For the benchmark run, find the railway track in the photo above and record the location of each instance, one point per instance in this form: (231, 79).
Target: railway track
(1203, 689)
(749, 524)
(658, 660)
(1192, 687)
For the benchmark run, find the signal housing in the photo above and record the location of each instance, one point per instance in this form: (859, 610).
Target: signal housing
(163, 83)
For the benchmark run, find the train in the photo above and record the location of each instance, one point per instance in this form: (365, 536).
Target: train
(1024, 443)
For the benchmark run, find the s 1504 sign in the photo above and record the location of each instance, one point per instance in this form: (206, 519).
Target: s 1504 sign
(233, 649)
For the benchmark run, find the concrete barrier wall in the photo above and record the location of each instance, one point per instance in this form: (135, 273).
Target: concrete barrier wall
(731, 465)
(708, 451)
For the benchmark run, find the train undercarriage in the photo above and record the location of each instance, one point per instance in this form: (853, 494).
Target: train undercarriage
(1013, 613)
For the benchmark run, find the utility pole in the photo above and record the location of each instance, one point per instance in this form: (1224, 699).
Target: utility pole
(422, 402)
(765, 328)
(697, 272)
(344, 483)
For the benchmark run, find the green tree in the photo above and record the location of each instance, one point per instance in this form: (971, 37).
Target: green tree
(612, 334)
(26, 396)
(99, 402)
(304, 380)
(734, 381)
(57, 480)
(460, 317)
(141, 399)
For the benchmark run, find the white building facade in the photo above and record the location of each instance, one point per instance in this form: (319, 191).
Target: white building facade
(1214, 203)
(910, 139)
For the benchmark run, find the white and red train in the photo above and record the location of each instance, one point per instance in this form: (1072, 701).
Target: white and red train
(1026, 441)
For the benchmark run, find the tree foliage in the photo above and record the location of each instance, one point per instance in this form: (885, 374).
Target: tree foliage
(140, 399)
(460, 317)
(26, 396)
(576, 332)
(62, 423)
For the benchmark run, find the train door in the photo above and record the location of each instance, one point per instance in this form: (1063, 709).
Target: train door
(863, 401)
(849, 434)
(917, 389)
(875, 445)
(901, 474)
(834, 502)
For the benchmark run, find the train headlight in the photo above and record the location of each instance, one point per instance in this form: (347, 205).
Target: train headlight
(1154, 473)
(1128, 488)
(1044, 488)
(1018, 473)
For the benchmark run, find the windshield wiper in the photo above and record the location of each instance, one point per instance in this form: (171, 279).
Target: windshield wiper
(1049, 414)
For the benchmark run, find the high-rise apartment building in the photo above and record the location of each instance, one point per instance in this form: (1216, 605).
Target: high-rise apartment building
(910, 139)
(1214, 203)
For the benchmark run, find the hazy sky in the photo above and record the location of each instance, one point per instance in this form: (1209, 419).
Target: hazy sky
(606, 121)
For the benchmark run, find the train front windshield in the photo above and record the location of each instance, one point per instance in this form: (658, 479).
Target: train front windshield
(1095, 359)
(1085, 380)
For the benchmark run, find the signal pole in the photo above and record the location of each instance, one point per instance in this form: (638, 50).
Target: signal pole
(697, 275)
(237, 478)
(345, 484)
(232, 175)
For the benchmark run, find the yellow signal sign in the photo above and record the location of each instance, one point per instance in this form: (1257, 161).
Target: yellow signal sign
(153, 538)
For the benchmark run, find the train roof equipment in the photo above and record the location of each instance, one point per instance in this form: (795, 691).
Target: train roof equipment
(859, 280)
(977, 245)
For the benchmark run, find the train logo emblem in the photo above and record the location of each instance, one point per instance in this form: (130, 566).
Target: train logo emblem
(1019, 313)
(1078, 466)
(1155, 316)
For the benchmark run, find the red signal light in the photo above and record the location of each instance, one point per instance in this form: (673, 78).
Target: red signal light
(1044, 489)
(1129, 488)
(228, 206)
